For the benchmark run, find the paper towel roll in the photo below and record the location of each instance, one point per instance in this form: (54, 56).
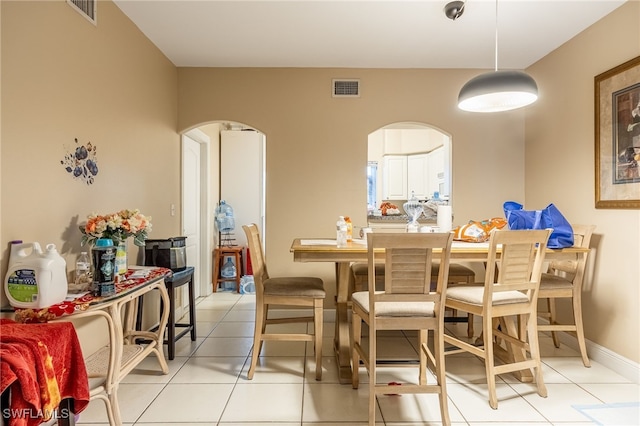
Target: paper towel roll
(445, 217)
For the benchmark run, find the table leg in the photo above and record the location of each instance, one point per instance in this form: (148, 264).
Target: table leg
(192, 309)
(342, 344)
(117, 341)
(171, 323)
(513, 352)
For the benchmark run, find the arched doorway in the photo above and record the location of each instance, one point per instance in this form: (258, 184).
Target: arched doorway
(234, 171)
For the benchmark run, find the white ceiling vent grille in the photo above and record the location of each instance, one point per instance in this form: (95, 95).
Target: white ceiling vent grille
(87, 8)
(346, 88)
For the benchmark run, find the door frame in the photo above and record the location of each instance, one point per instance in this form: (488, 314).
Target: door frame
(204, 274)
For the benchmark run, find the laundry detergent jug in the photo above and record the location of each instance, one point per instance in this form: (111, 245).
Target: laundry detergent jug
(35, 279)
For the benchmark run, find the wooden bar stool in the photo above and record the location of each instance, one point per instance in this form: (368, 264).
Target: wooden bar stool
(218, 258)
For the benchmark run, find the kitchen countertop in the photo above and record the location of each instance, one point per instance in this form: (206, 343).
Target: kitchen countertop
(399, 218)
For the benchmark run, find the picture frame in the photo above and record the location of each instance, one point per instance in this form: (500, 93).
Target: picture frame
(617, 137)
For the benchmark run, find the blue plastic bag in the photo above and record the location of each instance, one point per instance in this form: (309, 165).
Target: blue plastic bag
(549, 217)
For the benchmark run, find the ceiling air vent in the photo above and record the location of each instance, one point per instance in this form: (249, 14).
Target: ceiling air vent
(346, 88)
(87, 8)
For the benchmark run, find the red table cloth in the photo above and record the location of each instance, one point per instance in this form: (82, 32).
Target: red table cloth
(41, 364)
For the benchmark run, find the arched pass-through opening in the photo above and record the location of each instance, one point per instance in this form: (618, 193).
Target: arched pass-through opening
(405, 160)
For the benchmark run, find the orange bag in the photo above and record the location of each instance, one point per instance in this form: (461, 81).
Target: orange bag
(478, 231)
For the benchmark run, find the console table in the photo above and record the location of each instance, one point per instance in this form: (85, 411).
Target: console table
(114, 361)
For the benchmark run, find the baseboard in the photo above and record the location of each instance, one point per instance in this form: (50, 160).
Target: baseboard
(621, 365)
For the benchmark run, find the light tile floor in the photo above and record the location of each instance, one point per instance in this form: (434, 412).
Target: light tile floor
(207, 384)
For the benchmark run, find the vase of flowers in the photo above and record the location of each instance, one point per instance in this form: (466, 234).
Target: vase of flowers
(117, 227)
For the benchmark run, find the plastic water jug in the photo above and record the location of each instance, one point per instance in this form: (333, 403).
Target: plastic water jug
(35, 279)
(247, 285)
(224, 217)
(228, 269)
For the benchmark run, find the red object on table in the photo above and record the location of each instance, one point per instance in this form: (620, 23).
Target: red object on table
(41, 364)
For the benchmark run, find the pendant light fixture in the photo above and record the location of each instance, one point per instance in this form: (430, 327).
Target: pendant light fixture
(498, 90)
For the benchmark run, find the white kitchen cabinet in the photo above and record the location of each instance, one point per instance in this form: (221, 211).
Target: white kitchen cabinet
(435, 172)
(405, 175)
(394, 177)
(418, 175)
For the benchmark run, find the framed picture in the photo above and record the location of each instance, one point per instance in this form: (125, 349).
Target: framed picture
(617, 132)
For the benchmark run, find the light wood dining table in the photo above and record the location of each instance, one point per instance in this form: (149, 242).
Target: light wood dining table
(326, 250)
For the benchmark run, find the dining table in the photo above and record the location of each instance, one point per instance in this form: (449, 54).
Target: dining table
(326, 250)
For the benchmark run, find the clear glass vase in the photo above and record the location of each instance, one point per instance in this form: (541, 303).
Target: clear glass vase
(121, 259)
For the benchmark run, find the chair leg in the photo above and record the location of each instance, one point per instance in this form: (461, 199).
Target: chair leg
(577, 317)
(261, 312)
(317, 320)
(551, 302)
(422, 342)
(356, 328)
(534, 348)
(487, 333)
(438, 347)
(470, 331)
(372, 376)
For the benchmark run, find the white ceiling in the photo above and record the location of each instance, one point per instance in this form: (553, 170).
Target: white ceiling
(360, 33)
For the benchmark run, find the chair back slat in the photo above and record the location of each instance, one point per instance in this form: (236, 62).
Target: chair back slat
(408, 265)
(570, 267)
(517, 256)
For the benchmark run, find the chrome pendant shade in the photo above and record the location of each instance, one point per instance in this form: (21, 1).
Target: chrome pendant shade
(498, 91)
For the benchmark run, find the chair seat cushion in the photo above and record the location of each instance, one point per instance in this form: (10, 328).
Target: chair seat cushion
(455, 269)
(295, 286)
(552, 281)
(394, 309)
(362, 268)
(473, 294)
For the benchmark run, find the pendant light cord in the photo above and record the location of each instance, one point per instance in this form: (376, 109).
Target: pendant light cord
(496, 65)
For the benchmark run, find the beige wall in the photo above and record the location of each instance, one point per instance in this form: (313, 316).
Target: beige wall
(64, 78)
(560, 169)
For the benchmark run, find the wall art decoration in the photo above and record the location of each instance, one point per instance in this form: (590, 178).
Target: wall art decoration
(617, 132)
(81, 162)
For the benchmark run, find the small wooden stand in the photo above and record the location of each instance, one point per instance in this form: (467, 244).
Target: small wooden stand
(218, 258)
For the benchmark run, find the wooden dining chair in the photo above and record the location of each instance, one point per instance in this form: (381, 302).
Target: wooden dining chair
(283, 291)
(510, 292)
(405, 303)
(564, 281)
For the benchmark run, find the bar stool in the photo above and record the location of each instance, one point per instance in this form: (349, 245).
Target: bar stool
(178, 279)
(218, 257)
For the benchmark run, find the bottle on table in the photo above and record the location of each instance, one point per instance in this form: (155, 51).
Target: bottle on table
(349, 229)
(83, 272)
(341, 232)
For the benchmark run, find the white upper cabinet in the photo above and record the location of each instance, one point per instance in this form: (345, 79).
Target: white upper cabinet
(418, 168)
(394, 177)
